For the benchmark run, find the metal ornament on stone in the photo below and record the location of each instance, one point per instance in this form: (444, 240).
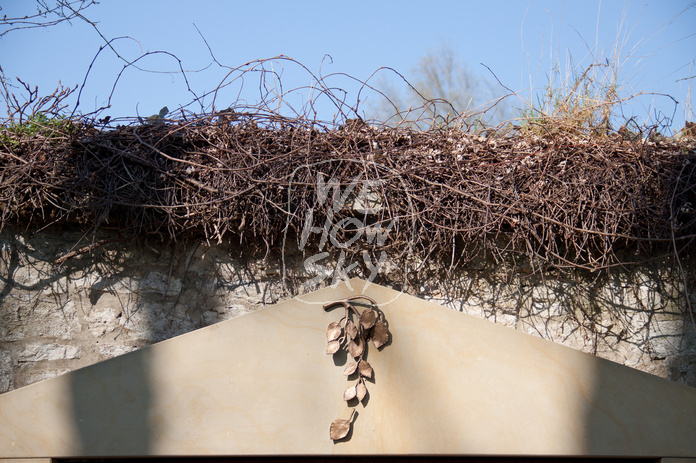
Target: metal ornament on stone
(352, 334)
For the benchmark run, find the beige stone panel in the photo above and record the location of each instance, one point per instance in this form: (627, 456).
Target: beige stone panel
(261, 384)
(34, 423)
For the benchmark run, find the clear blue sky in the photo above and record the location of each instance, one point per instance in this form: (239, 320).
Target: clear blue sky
(519, 40)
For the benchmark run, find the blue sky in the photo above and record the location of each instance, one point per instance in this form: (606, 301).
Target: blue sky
(520, 41)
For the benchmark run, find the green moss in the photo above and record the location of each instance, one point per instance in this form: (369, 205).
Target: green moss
(38, 125)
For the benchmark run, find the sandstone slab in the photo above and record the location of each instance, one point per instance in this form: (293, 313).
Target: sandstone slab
(261, 384)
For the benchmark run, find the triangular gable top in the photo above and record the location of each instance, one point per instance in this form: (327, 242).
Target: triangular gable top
(447, 383)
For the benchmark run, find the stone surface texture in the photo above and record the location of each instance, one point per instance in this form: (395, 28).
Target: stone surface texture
(446, 383)
(124, 295)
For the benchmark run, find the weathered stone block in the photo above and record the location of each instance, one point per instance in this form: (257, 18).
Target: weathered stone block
(6, 371)
(37, 352)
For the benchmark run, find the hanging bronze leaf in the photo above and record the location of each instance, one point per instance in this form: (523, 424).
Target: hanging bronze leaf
(350, 368)
(351, 330)
(365, 369)
(380, 335)
(333, 332)
(351, 334)
(350, 393)
(340, 427)
(367, 318)
(355, 349)
(360, 390)
(333, 347)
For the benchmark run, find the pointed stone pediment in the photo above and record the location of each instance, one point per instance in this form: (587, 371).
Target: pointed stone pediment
(447, 383)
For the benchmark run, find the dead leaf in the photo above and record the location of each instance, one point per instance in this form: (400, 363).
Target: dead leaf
(365, 369)
(351, 330)
(333, 332)
(350, 393)
(350, 368)
(360, 390)
(355, 349)
(333, 347)
(340, 427)
(380, 335)
(367, 318)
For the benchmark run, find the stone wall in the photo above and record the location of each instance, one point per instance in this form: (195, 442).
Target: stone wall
(635, 317)
(119, 297)
(56, 316)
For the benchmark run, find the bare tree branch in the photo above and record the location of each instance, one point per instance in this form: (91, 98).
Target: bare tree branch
(47, 14)
(443, 91)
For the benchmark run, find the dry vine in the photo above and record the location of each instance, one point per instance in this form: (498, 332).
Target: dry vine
(548, 198)
(569, 203)
(352, 333)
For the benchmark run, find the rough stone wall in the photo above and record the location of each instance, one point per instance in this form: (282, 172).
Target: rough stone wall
(635, 317)
(118, 298)
(57, 317)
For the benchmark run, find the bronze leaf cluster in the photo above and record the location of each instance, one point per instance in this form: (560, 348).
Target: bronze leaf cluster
(352, 333)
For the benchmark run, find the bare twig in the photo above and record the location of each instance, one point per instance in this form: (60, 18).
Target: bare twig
(85, 249)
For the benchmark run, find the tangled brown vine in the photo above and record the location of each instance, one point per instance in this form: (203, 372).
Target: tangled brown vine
(566, 202)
